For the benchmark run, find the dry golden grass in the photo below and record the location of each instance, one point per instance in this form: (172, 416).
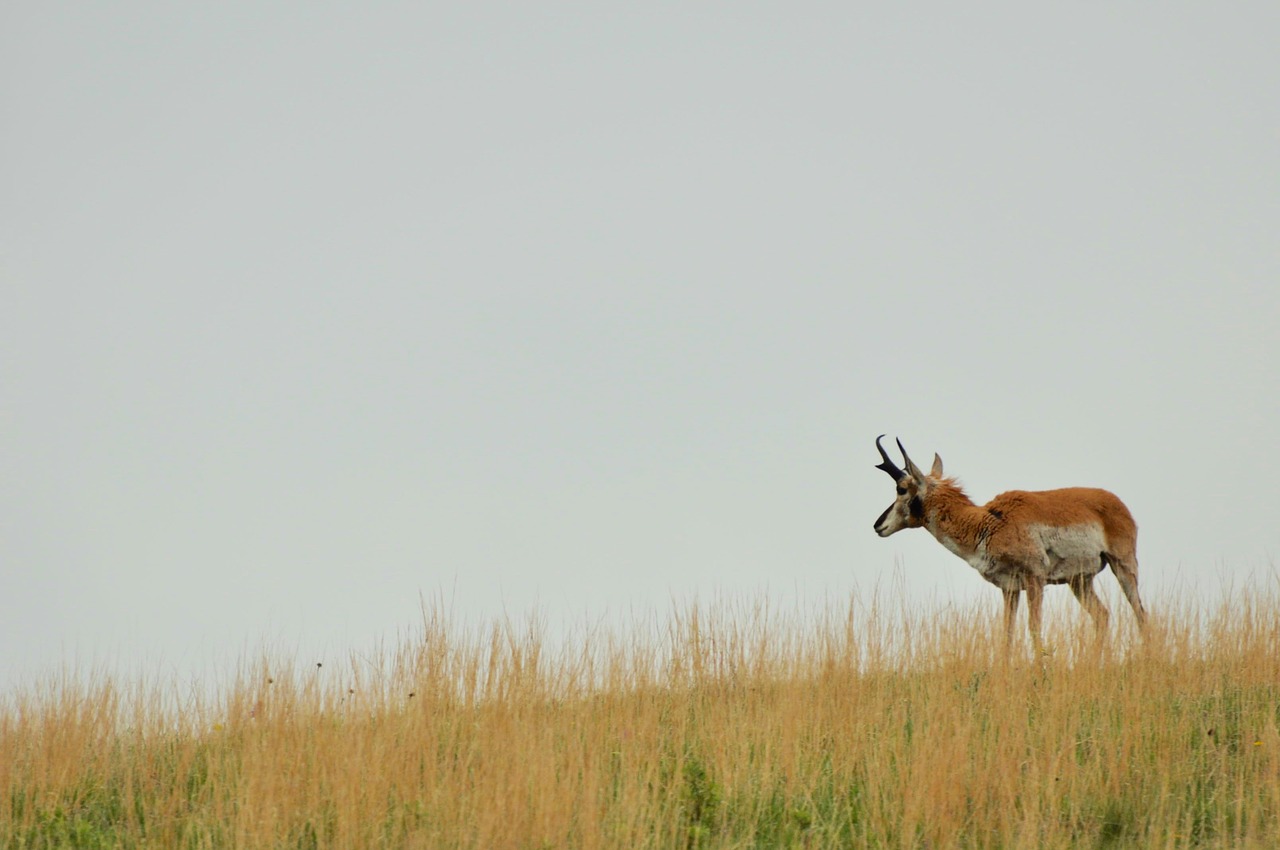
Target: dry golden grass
(732, 726)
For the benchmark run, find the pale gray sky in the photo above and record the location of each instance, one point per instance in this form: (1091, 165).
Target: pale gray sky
(309, 309)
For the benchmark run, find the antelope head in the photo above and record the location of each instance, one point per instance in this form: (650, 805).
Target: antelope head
(913, 487)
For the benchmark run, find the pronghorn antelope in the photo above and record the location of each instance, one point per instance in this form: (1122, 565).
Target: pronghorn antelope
(1022, 540)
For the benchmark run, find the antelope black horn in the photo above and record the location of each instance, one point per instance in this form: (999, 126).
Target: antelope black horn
(888, 465)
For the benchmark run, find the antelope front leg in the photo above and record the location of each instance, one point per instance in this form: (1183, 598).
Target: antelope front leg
(1011, 598)
(1035, 595)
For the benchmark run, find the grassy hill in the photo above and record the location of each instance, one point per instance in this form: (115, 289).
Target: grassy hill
(723, 727)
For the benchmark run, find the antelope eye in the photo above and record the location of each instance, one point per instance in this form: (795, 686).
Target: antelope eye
(901, 491)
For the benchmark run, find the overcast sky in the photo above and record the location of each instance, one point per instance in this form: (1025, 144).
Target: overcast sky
(310, 310)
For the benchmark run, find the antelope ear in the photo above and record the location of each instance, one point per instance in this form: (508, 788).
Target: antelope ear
(936, 472)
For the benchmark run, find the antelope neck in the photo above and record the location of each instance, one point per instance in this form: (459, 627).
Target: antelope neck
(953, 518)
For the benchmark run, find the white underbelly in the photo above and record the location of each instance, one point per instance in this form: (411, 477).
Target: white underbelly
(1069, 552)
(1066, 553)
